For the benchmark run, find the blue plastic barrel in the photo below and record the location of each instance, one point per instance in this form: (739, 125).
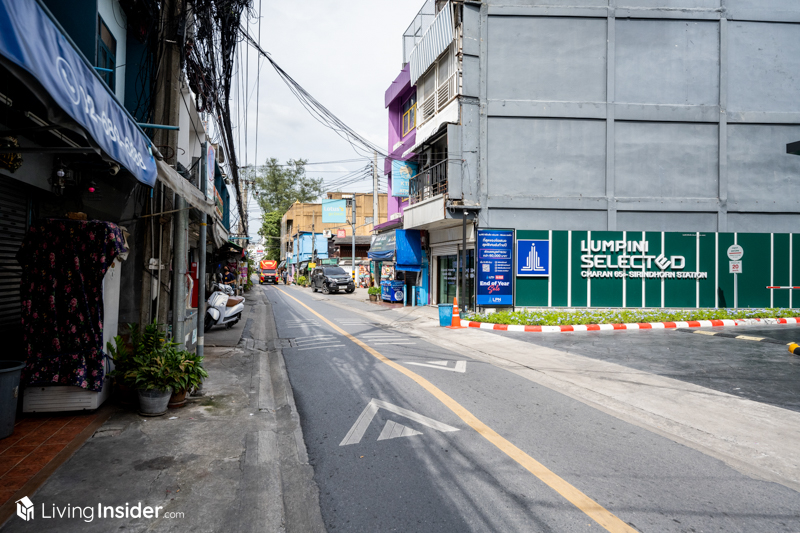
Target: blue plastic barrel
(445, 315)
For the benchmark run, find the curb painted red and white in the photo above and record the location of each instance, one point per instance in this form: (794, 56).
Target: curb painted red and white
(643, 325)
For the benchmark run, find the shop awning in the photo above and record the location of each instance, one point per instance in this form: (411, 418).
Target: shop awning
(282, 265)
(409, 250)
(183, 187)
(34, 48)
(382, 248)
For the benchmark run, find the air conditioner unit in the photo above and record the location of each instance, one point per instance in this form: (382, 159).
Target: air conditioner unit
(326, 234)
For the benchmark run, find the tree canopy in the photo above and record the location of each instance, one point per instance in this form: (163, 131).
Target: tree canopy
(277, 187)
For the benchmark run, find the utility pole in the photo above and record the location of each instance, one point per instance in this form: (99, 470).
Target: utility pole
(313, 237)
(375, 219)
(201, 261)
(354, 238)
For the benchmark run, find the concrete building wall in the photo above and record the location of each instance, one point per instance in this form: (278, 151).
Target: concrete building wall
(656, 115)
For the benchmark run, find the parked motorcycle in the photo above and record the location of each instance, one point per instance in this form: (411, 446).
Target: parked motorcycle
(223, 307)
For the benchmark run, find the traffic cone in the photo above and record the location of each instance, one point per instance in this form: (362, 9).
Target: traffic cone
(456, 322)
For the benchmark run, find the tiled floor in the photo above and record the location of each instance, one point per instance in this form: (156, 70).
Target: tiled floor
(34, 443)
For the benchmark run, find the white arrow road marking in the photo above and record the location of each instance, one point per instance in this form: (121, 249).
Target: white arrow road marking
(365, 419)
(461, 366)
(392, 430)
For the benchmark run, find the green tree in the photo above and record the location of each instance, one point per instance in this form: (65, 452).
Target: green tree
(279, 186)
(271, 231)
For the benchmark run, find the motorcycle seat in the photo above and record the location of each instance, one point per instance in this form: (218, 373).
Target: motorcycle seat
(234, 301)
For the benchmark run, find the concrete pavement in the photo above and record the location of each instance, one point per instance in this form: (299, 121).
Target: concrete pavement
(232, 460)
(757, 439)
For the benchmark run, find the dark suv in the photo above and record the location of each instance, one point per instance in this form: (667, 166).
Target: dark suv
(331, 279)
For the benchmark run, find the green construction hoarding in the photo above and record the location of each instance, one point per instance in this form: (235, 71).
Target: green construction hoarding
(654, 269)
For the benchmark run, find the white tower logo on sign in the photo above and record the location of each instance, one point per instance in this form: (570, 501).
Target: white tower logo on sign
(532, 263)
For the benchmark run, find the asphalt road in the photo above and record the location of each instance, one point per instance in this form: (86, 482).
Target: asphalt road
(759, 371)
(394, 444)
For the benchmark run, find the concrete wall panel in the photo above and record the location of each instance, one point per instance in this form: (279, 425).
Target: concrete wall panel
(669, 3)
(669, 160)
(785, 6)
(763, 223)
(560, 3)
(667, 62)
(546, 157)
(555, 219)
(762, 67)
(665, 221)
(547, 58)
(761, 175)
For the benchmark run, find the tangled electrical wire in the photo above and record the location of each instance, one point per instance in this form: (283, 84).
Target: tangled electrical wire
(322, 114)
(209, 59)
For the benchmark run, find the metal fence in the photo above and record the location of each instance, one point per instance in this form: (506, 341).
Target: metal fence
(428, 183)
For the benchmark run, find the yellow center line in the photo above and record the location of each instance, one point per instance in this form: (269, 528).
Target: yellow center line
(594, 510)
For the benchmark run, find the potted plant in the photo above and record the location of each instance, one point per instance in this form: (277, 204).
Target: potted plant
(155, 370)
(190, 374)
(302, 281)
(373, 293)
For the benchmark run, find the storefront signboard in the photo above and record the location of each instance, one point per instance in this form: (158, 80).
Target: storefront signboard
(402, 171)
(341, 233)
(654, 269)
(334, 211)
(392, 291)
(211, 158)
(495, 267)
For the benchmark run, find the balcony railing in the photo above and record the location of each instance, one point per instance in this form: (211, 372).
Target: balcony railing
(428, 183)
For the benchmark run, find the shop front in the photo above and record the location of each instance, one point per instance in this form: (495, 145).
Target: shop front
(398, 256)
(635, 269)
(447, 273)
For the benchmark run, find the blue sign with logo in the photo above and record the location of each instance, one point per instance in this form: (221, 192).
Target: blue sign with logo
(495, 267)
(334, 211)
(533, 257)
(73, 85)
(402, 171)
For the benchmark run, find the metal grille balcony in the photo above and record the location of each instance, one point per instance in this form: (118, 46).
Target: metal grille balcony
(428, 183)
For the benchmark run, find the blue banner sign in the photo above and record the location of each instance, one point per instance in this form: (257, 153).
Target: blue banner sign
(392, 291)
(334, 211)
(495, 267)
(30, 40)
(533, 257)
(402, 171)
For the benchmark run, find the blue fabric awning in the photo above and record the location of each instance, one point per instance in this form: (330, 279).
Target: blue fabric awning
(382, 248)
(409, 250)
(31, 42)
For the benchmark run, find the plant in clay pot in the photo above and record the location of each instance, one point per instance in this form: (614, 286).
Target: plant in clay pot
(155, 369)
(373, 293)
(189, 375)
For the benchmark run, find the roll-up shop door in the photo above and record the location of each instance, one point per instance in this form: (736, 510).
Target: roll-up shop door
(13, 225)
(444, 249)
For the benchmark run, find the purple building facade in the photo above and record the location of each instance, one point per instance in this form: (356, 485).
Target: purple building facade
(400, 100)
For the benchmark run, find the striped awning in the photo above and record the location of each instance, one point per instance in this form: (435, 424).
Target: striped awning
(435, 41)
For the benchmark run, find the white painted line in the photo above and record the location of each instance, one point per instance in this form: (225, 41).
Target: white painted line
(321, 347)
(461, 366)
(356, 432)
(320, 341)
(393, 430)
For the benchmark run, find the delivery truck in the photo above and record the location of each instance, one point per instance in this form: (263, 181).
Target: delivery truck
(268, 271)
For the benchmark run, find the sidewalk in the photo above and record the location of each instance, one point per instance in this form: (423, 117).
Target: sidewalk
(232, 459)
(757, 439)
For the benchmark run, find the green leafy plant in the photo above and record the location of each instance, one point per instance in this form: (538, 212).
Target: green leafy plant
(374, 290)
(150, 361)
(553, 317)
(302, 280)
(190, 372)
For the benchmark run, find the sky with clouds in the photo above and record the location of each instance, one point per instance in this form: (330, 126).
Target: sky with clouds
(345, 54)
